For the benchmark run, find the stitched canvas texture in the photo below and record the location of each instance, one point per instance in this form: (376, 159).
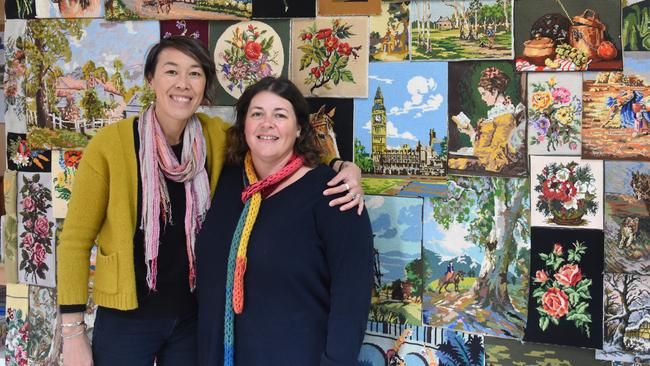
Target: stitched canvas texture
(69, 9)
(420, 346)
(401, 133)
(635, 35)
(94, 79)
(64, 168)
(330, 56)
(16, 344)
(36, 258)
(566, 192)
(284, 9)
(566, 286)
(616, 115)
(554, 114)
(389, 33)
(126, 10)
(197, 29)
(576, 35)
(332, 119)
(246, 52)
(42, 318)
(442, 30)
(10, 228)
(508, 352)
(397, 292)
(626, 317)
(487, 120)
(14, 76)
(627, 225)
(471, 284)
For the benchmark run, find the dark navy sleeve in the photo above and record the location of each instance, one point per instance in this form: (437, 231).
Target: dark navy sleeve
(347, 239)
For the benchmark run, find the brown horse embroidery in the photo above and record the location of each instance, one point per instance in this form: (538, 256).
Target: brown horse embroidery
(447, 280)
(323, 125)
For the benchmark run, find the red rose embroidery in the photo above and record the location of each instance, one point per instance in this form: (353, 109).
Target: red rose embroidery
(557, 249)
(38, 254)
(27, 241)
(42, 227)
(541, 276)
(324, 33)
(28, 204)
(344, 49)
(555, 302)
(331, 43)
(569, 275)
(253, 50)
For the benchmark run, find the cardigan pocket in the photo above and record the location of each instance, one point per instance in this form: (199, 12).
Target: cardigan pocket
(106, 272)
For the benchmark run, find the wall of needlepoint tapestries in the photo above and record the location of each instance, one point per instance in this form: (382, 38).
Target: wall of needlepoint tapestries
(503, 145)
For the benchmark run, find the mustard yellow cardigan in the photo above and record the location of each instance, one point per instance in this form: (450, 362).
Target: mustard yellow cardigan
(104, 207)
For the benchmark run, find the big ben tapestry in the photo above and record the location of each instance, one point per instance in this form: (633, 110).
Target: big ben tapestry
(401, 134)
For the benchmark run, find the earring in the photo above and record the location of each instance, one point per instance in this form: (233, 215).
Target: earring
(298, 133)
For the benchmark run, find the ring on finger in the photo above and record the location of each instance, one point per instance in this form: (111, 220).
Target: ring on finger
(347, 187)
(354, 196)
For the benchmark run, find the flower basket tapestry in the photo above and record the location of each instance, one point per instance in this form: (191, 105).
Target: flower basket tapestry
(566, 192)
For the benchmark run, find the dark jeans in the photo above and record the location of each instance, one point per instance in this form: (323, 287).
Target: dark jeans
(120, 341)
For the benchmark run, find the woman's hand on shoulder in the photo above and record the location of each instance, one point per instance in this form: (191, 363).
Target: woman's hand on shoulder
(348, 179)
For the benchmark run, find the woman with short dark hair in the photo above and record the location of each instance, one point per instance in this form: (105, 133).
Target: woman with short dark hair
(141, 192)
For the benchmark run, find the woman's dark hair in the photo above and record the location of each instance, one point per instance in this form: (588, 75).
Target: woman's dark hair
(192, 48)
(305, 144)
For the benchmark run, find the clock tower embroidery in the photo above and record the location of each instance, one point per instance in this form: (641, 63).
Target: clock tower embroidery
(378, 127)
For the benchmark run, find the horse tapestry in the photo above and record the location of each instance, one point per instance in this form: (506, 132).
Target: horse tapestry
(470, 283)
(332, 121)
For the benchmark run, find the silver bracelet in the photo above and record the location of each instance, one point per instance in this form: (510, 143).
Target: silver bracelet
(83, 331)
(72, 325)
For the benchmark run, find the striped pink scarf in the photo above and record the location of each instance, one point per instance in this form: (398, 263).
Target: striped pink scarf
(157, 161)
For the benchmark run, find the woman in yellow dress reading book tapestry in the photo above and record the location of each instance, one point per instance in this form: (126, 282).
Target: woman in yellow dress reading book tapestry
(498, 140)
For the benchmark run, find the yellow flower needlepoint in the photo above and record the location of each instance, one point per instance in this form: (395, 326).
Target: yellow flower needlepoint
(541, 100)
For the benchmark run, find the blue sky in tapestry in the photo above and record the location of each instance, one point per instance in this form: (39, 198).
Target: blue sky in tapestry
(415, 98)
(397, 225)
(103, 42)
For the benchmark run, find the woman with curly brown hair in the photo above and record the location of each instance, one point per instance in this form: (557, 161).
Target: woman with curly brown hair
(492, 141)
(305, 296)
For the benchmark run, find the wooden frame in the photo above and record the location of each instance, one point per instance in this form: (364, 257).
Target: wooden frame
(347, 7)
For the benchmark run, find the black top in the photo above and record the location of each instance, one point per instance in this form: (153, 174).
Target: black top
(173, 297)
(308, 277)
